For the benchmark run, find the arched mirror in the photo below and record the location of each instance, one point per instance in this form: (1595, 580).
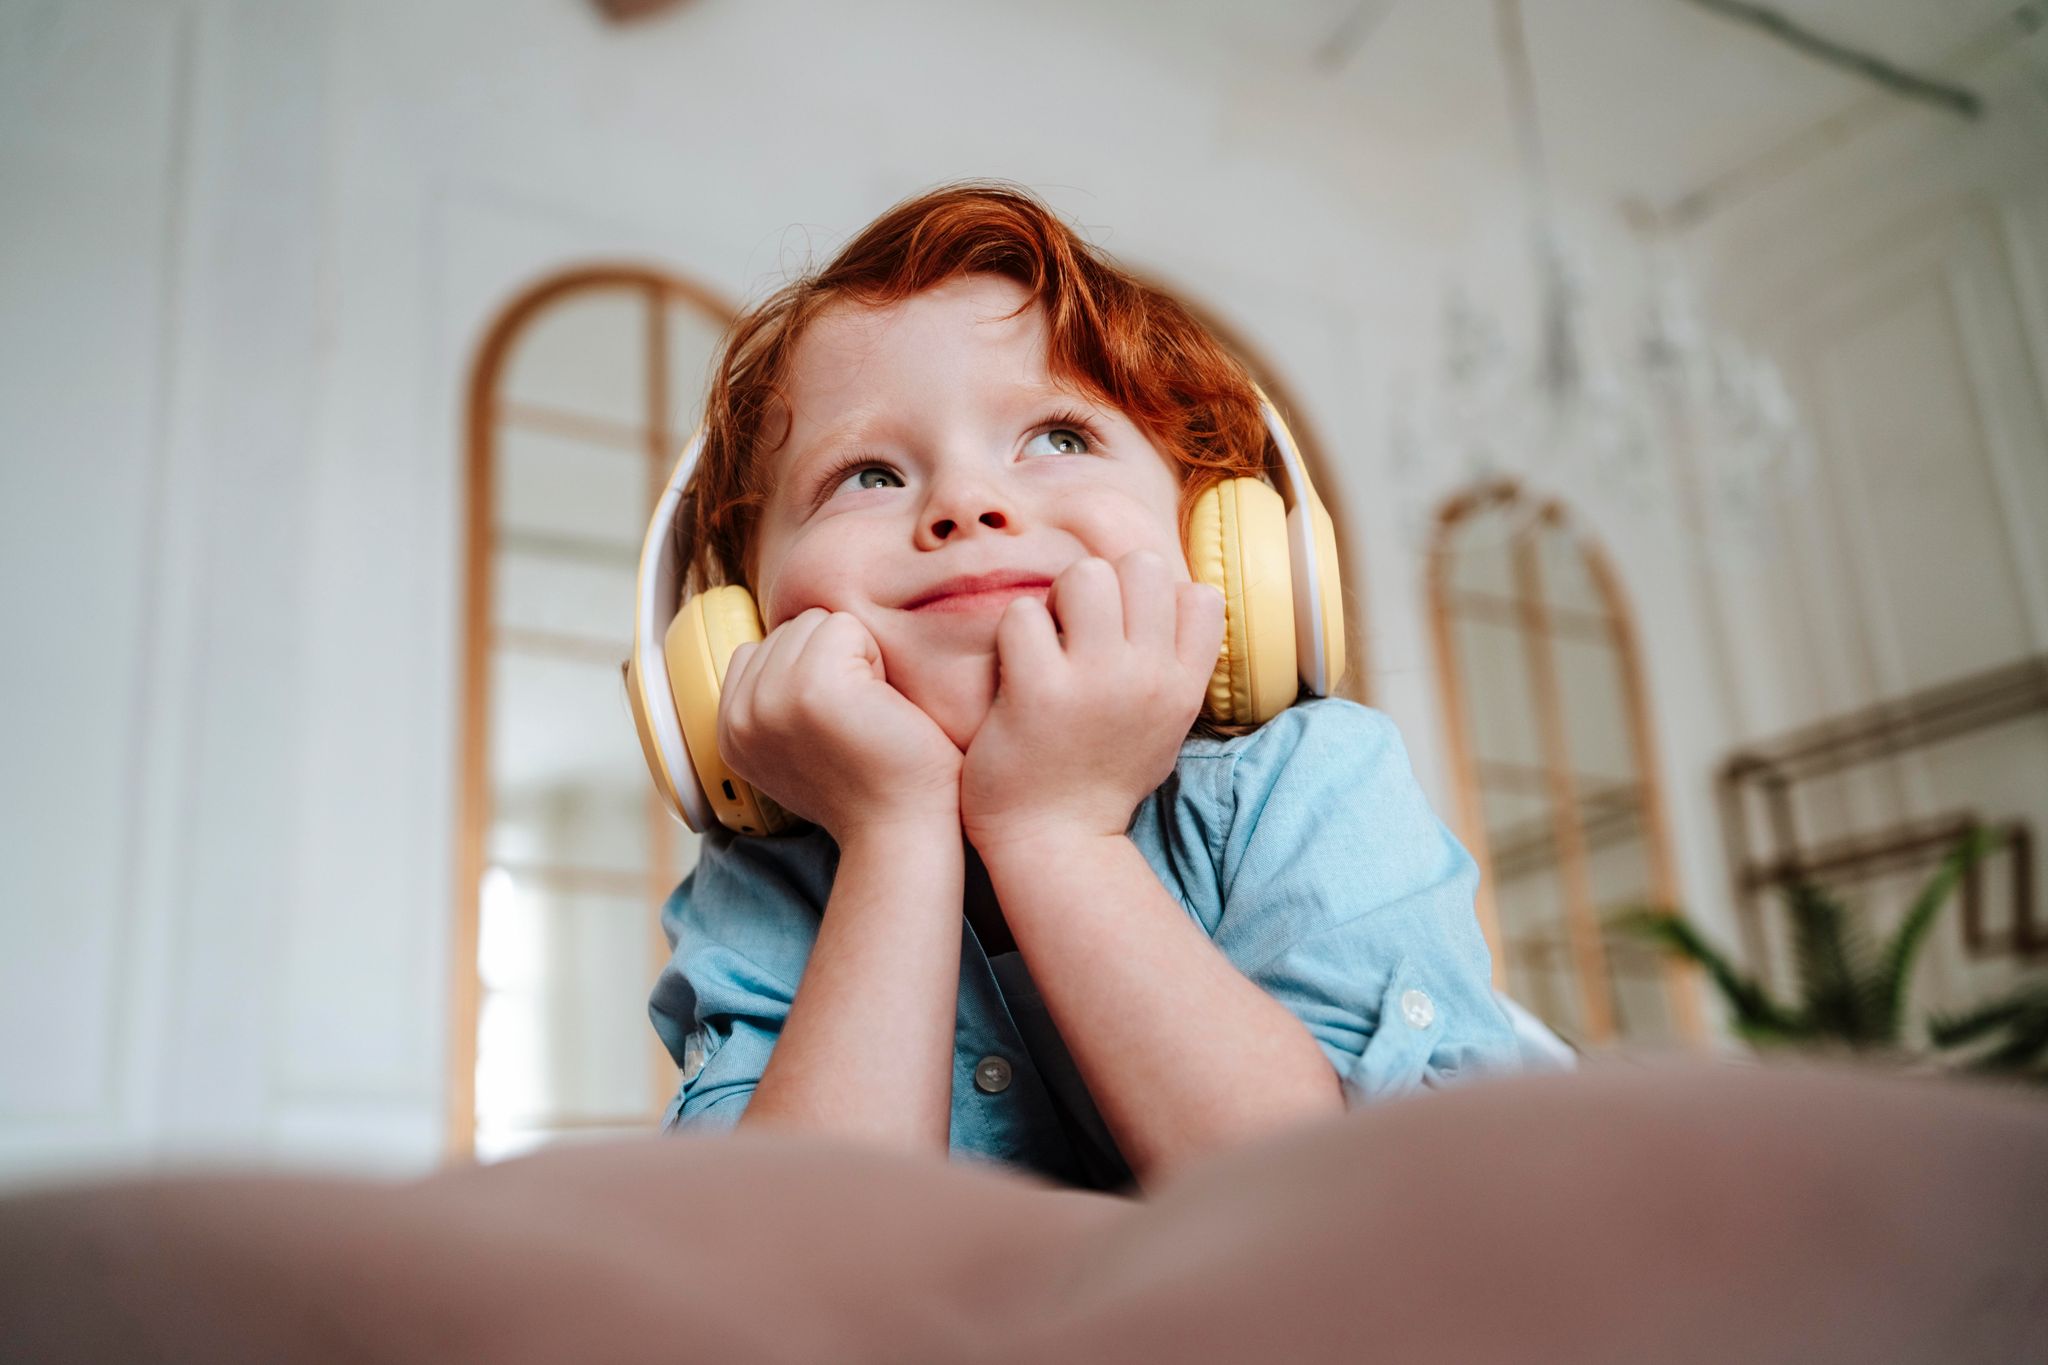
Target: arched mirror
(1558, 794)
(583, 391)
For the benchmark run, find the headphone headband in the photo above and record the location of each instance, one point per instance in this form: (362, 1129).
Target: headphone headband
(1306, 518)
(658, 593)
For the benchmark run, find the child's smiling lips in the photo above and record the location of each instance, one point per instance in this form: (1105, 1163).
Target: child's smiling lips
(981, 592)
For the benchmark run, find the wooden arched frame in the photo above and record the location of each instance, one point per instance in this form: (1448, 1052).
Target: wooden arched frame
(1587, 950)
(484, 415)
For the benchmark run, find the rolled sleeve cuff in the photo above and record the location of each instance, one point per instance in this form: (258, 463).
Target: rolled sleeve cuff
(1396, 1058)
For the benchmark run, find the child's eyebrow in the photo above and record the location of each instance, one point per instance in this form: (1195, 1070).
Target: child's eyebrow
(861, 425)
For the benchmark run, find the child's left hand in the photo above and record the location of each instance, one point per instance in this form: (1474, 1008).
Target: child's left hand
(1086, 722)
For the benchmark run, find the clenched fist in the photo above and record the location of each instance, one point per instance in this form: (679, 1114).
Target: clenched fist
(808, 717)
(1096, 690)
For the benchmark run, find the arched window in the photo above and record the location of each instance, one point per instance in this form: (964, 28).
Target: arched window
(582, 394)
(1558, 793)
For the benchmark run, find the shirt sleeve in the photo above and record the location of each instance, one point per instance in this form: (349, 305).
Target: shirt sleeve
(740, 928)
(1346, 899)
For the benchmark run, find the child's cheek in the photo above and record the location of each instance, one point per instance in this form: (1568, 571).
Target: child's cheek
(804, 578)
(1115, 527)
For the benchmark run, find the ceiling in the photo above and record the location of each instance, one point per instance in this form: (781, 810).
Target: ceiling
(1641, 100)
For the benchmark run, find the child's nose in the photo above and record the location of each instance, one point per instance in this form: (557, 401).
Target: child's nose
(945, 526)
(963, 505)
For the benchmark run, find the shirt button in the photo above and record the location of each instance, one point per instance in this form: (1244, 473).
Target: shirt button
(992, 1075)
(1418, 1009)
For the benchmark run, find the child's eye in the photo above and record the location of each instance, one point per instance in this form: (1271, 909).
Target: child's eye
(1061, 441)
(860, 476)
(859, 472)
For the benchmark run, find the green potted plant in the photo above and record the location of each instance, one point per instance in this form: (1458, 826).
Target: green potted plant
(1852, 991)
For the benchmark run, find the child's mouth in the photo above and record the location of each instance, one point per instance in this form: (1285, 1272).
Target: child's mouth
(990, 600)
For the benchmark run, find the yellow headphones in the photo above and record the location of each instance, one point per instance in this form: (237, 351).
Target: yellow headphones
(1273, 554)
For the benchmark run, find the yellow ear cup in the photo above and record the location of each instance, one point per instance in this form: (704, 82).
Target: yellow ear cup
(1237, 542)
(698, 649)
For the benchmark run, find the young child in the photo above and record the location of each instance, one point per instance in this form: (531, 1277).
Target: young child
(954, 467)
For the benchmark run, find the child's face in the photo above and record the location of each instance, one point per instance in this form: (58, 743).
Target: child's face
(967, 460)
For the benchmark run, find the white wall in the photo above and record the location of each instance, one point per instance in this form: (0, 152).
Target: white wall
(162, 369)
(251, 245)
(1899, 272)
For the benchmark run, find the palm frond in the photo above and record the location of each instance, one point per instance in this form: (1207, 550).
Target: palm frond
(2023, 1053)
(1757, 1016)
(1897, 968)
(1955, 1030)
(2022, 1014)
(1830, 985)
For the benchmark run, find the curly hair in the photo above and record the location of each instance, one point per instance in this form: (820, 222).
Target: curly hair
(1109, 334)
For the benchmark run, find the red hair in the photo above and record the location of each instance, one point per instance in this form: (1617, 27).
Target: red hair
(1110, 335)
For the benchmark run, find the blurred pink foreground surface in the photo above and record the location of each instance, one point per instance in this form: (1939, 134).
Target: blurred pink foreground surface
(1674, 1214)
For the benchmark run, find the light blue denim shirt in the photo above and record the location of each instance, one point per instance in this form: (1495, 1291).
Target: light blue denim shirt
(1305, 850)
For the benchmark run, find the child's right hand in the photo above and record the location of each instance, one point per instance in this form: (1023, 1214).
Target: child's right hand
(809, 717)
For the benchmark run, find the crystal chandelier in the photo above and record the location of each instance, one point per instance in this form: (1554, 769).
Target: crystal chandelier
(1677, 411)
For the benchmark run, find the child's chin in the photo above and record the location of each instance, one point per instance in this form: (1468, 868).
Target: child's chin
(957, 697)
(961, 718)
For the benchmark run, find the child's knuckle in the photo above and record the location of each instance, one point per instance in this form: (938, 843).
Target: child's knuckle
(810, 701)
(771, 707)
